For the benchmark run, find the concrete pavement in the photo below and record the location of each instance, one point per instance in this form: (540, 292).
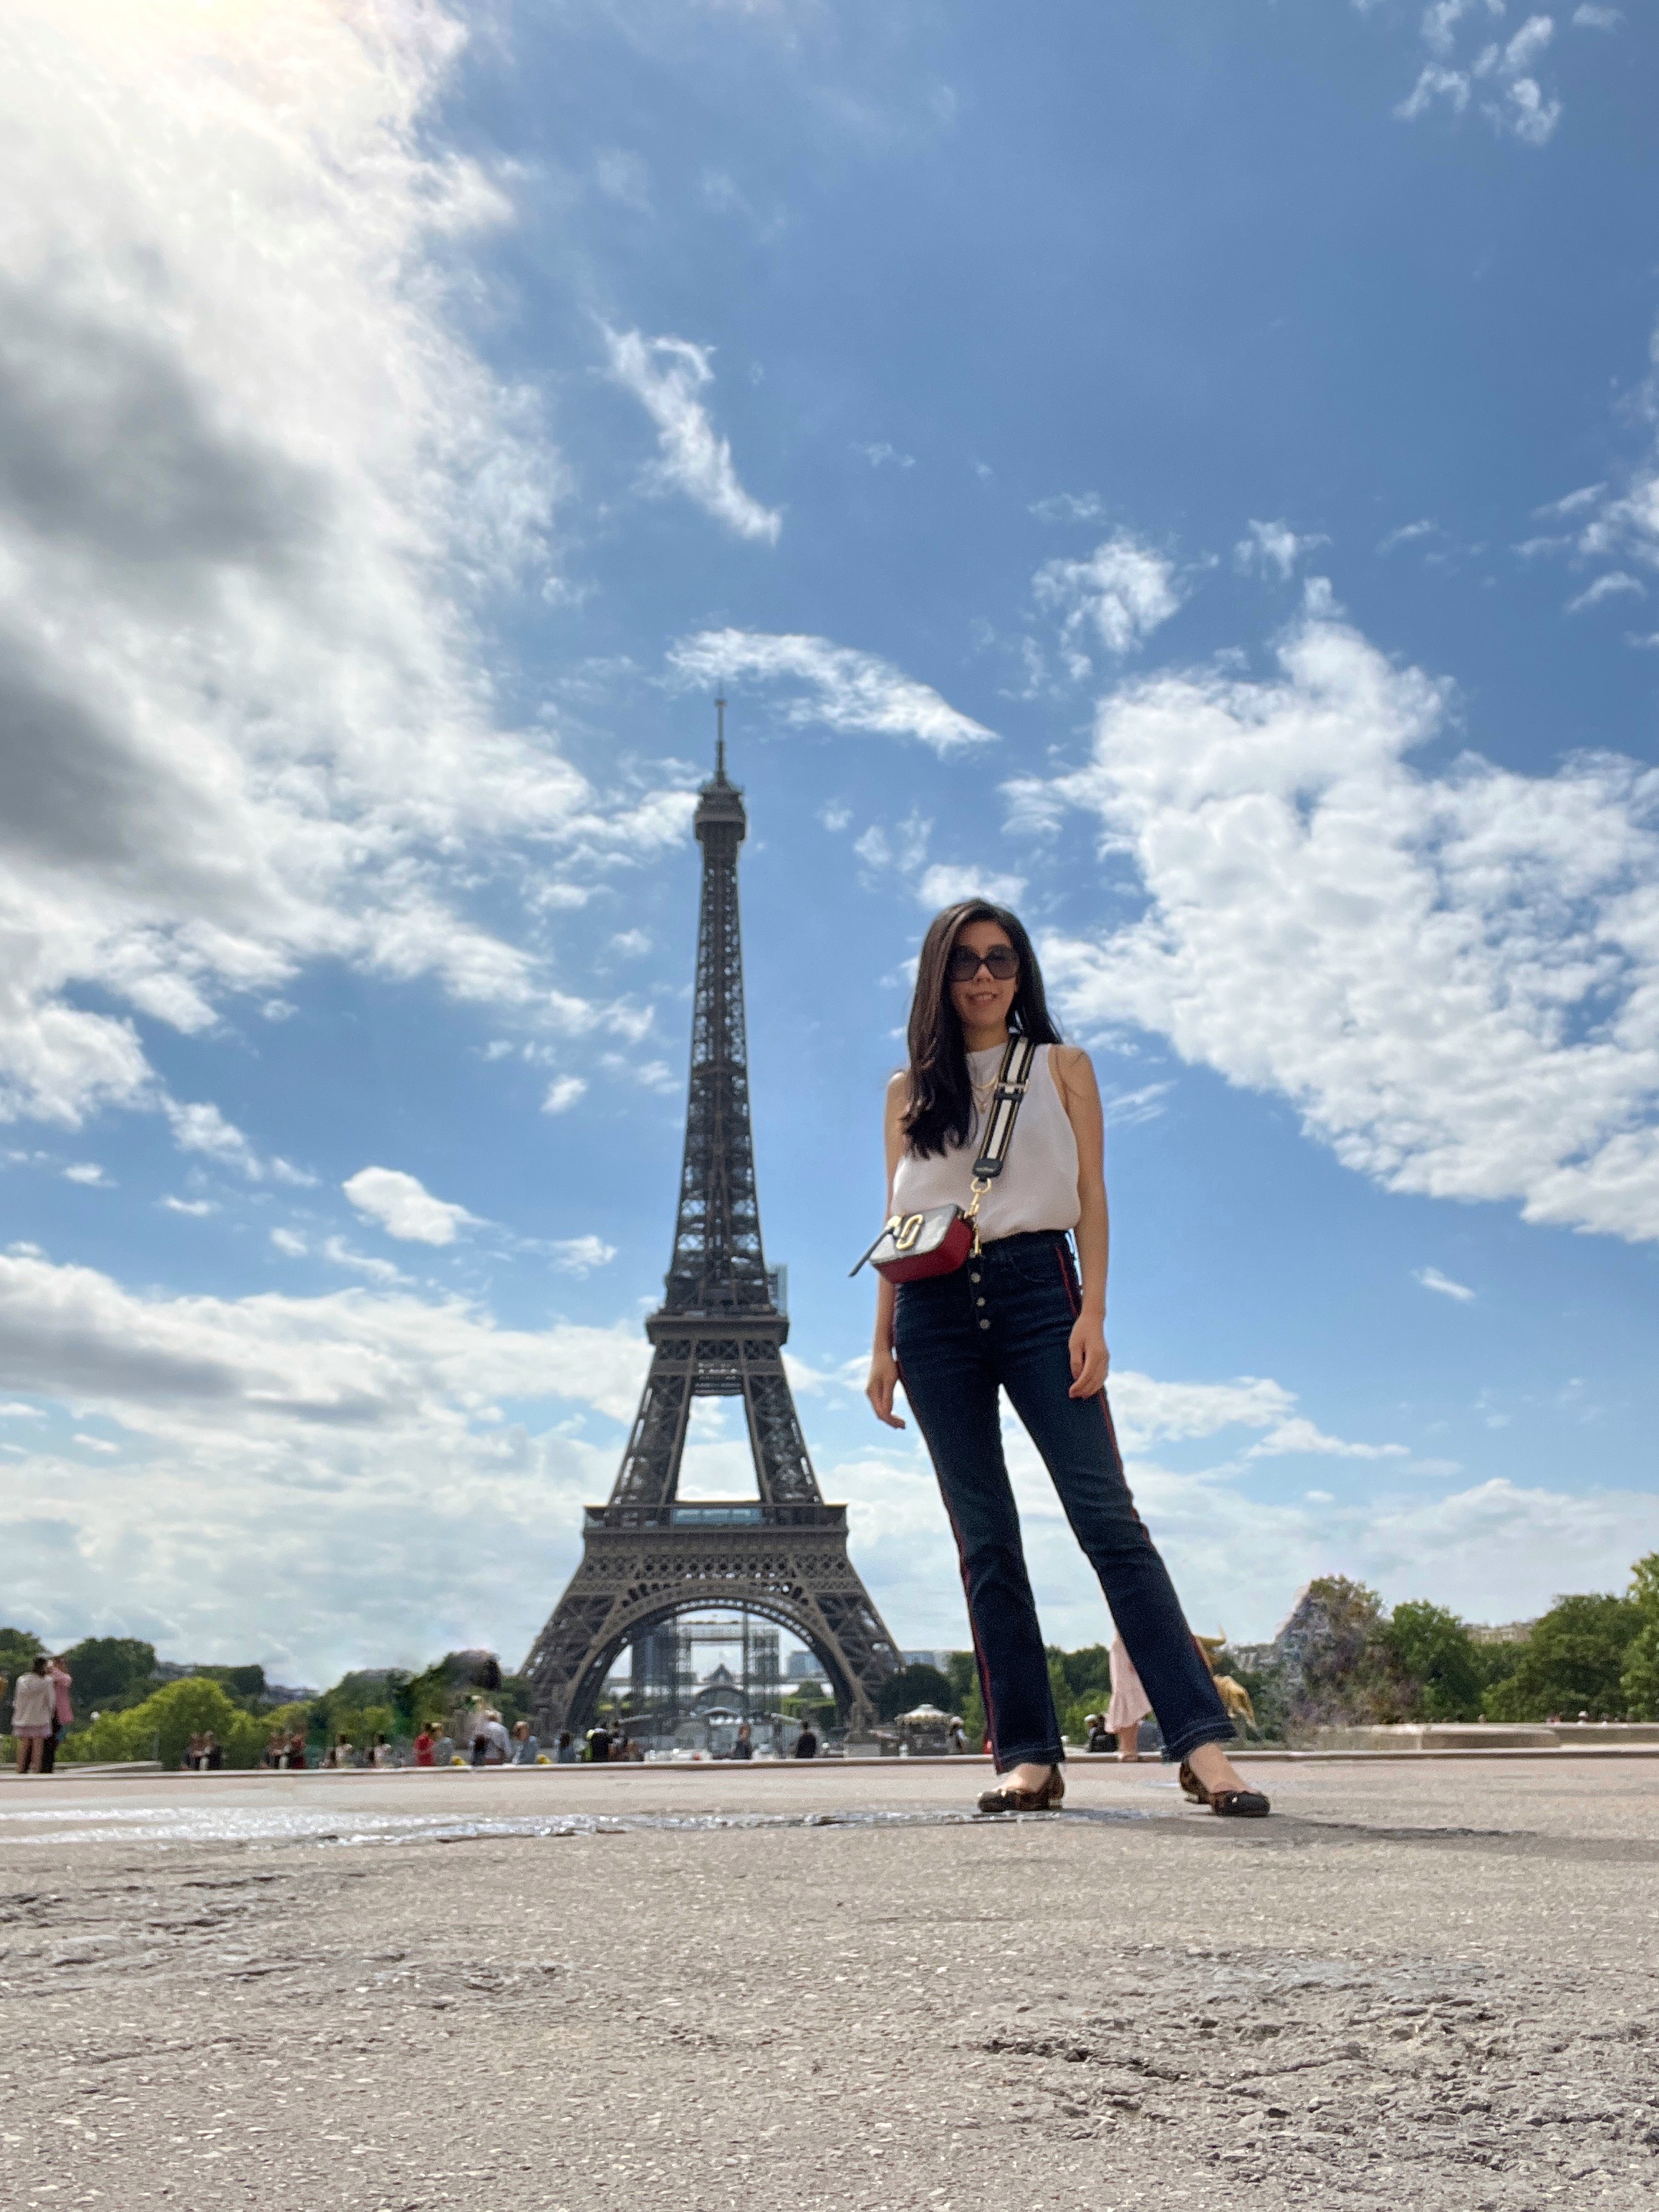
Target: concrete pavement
(1429, 1983)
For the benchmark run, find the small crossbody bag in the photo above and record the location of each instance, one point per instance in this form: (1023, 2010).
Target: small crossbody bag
(913, 1246)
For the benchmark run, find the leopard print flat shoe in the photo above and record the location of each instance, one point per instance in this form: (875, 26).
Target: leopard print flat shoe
(1046, 1799)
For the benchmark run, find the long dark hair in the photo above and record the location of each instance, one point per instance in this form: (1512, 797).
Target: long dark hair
(941, 1107)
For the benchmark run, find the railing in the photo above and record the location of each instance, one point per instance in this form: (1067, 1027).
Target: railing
(737, 1513)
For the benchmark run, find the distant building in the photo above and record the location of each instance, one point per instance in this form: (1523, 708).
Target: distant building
(1505, 1632)
(939, 1659)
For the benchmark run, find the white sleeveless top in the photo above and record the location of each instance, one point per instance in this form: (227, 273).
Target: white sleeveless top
(1037, 1187)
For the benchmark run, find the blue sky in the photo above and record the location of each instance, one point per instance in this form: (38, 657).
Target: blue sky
(1194, 472)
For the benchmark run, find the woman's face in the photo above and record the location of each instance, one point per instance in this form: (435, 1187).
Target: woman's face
(981, 1002)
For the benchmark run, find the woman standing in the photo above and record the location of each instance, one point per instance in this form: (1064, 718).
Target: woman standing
(1022, 1315)
(34, 1711)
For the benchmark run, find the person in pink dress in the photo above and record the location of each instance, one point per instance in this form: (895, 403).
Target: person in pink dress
(63, 1712)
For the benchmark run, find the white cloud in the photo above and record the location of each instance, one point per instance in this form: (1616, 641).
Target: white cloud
(882, 455)
(624, 176)
(945, 884)
(901, 848)
(1128, 1110)
(1455, 978)
(238, 651)
(1434, 83)
(1118, 597)
(1301, 1436)
(289, 1242)
(1432, 1279)
(562, 1093)
(1274, 548)
(1148, 1411)
(88, 1172)
(1070, 507)
(1592, 18)
(1522, 108)
(339, 1253)
(1612, 586)
(318, 1481)
(1408, 534)
(1528, 44)
(850, 691)
(579, 1256)
(197, 1208)
(1438, 21)
(403, 1207)
(202, 1128)
(665, 376)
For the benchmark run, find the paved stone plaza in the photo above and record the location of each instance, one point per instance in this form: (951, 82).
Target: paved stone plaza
(1421, 1984)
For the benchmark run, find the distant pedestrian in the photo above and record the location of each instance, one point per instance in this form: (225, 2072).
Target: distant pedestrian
(564, 1752)
(423, 1743)
(62, 1716)
(745, 1745)
(274, 1753)
(296, 1751)
(806, 1743)
(599, 1744)
(381, 1754)
(342, 1753)
(192, 1759)
(443, 1750)
(1096, 1736)
(1130, 1703)
(213, 1754)
(33, 1714)
(957, 1736)
(527, 1748)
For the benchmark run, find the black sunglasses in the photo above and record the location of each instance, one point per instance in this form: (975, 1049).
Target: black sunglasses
(964, 963)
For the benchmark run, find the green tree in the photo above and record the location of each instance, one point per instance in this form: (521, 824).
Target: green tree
(246, 1684)
(1639, 1677)
(110, 1671)
(1638, 1681)
(912, 1686)
(1572, 1662)
(172, 1714)
(1435, 1653)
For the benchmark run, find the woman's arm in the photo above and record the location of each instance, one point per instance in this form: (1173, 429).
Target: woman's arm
(884, 1367)
(1080, 1096)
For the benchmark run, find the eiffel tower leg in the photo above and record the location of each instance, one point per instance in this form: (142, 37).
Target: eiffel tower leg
(782, 1468)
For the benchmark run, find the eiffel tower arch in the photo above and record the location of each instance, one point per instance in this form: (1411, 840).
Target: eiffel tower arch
(648, 1555)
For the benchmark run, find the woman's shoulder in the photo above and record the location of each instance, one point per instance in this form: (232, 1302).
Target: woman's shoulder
(1070, 1061)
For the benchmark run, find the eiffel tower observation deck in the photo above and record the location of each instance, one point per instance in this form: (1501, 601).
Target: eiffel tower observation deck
(649, 1555)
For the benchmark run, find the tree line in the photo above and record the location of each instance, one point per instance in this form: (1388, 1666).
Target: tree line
(1351, 1661)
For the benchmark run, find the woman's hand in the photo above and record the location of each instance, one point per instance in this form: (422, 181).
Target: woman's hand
(1089, 1358)
(884, 1379)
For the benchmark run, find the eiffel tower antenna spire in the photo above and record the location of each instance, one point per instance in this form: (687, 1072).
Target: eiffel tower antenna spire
(719, 1332)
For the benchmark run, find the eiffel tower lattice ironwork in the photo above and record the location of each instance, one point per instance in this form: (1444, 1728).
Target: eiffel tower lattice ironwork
(649, 1555)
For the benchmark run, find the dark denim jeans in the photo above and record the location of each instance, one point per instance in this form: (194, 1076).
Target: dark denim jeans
(1005, 1320)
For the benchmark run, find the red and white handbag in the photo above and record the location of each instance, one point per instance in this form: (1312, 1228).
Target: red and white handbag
(913, 1246)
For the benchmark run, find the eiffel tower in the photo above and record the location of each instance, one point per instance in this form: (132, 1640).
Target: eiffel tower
(648, 1555)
